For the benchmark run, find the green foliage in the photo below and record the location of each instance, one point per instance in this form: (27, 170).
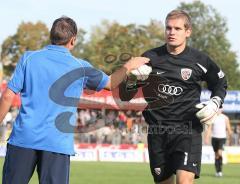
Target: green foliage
(209, 36)
(29, 36)
(80, 44)
(111, 38)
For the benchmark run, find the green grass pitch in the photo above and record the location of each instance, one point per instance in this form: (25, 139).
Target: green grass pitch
(136, 173)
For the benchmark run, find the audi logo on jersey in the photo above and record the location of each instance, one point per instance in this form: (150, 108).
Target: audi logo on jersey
(170, 90)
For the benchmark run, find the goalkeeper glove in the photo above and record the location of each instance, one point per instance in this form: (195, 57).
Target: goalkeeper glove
(142, 72)
(208, 110)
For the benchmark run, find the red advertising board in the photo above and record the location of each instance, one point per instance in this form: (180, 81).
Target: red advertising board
(98, 100)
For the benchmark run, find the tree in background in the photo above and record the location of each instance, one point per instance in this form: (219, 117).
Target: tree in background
(209, 36)
(29, 36)
(109, 40)
(79, 48)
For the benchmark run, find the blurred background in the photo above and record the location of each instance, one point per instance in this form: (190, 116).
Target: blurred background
(107, 129)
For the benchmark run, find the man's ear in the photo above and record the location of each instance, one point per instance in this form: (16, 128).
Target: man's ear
(73, 41)
(188, 33)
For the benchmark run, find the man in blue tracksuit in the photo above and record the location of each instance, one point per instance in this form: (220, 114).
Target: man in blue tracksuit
(50, 82)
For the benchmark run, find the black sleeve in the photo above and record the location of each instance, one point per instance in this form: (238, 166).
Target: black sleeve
(215, 79)
(147, 54)
(126, 93)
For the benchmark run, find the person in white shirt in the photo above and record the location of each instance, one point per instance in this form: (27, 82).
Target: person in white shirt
(220, 131)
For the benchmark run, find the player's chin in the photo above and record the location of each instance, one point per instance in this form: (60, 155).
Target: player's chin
(173, 44)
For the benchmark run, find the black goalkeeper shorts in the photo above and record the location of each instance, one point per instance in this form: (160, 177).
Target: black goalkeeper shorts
(170, 151)
(217, 143)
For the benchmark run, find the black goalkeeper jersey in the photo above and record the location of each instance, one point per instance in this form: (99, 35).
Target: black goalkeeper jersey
(173, 87)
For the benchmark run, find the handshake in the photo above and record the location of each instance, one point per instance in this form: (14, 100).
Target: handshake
(142, 72)
(208, 110)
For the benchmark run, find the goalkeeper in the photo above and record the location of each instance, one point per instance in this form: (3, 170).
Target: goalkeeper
(174, 112)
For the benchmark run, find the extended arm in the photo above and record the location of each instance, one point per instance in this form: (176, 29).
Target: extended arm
(118, 76)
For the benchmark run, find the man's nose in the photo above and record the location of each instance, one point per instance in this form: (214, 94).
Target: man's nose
(172, 31)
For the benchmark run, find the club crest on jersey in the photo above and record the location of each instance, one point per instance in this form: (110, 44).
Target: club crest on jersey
(186, 73)
(157, 170)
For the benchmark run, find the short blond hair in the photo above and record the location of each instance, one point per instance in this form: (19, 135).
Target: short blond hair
(180, 14)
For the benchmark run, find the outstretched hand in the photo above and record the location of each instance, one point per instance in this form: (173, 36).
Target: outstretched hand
(135, 62)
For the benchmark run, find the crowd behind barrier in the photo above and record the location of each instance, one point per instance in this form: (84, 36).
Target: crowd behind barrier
(108, 127)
